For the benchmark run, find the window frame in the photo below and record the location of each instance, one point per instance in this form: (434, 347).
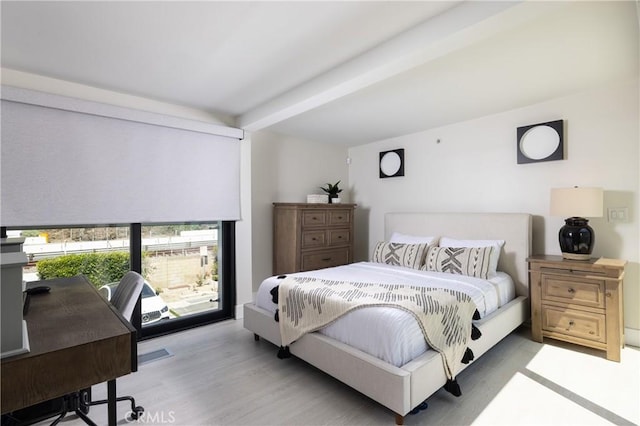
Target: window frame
(227, 279)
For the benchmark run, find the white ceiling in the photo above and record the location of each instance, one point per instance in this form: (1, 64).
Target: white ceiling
(338, 72)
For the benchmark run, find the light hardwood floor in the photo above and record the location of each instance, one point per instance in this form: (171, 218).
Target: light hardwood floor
(218, 375)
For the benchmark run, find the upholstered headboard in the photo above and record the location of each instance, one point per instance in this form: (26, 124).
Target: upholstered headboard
(514, 228)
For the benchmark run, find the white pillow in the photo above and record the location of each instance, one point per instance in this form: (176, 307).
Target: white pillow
(397, 237)
(495, 252)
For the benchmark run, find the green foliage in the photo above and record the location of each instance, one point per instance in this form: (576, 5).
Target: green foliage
(30, 233)
(332, 189)
(100, 268)
(214, 266)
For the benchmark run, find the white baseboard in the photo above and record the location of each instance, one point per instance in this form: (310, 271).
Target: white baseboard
(239, 308)
(632, 337)
(239, 312)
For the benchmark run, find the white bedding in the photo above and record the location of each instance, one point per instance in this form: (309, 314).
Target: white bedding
(390, 334)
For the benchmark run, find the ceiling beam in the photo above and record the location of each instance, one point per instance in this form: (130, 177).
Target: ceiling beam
(461, 26)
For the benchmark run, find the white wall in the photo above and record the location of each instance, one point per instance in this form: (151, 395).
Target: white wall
(473, 168)
(81, 91)
(244, 263)
(286, 169)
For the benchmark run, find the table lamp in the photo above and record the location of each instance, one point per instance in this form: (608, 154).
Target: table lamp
(576, 236)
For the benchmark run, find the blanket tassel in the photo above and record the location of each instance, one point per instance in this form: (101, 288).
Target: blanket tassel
(468, 356)
(284, 352)
(453, 387)
(475, 332)
(274, 294)
(422, 406)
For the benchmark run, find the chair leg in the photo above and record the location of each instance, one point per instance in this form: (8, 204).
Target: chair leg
(136, 411)
(73, 403)
(56, 421)
(84, 417)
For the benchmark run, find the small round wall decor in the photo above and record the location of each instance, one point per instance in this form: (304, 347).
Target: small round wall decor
(392, 163)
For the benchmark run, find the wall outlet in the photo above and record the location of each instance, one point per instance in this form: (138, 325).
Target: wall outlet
(618, 214)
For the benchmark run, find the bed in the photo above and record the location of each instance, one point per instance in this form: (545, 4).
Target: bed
(403, 385)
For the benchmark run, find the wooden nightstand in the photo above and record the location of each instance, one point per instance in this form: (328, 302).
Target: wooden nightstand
(578, 302)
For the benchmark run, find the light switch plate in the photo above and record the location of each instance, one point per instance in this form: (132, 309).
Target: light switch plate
(618, 214)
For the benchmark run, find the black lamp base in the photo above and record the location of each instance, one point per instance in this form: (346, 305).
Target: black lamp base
(576, 239)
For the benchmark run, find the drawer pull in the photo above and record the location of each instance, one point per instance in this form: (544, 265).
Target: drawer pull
(571, 324)
(313, 239)
(314, 218)
(339, 217)
(326, 259)
(571, 290)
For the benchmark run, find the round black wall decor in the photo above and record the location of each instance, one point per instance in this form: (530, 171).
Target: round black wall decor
(392, 163)
(540, 142)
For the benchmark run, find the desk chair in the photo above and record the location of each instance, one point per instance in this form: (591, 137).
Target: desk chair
(124, 299)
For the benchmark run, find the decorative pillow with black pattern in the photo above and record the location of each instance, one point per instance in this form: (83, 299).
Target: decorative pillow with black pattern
(408, 255)
(471, 261)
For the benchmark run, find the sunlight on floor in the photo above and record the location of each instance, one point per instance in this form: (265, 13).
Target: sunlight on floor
(523, 401)
(564, 387)
(611, 385)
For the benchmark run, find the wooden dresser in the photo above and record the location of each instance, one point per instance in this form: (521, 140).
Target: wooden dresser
(578, 302)
(311, 236)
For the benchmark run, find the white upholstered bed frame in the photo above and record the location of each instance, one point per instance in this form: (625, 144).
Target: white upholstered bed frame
(403, 388)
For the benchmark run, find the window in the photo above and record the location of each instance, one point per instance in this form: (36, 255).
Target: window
(182, 264)
(188, 268)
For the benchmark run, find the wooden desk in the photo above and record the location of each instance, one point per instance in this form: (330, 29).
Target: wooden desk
(77, 340)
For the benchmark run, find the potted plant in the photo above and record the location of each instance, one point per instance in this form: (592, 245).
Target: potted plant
(332, 190)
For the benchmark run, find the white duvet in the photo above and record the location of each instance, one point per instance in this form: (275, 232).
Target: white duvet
(390, 334)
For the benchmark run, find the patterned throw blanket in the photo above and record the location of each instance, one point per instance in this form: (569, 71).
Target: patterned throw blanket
(307, 304)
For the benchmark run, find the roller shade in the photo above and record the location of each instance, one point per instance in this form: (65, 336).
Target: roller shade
(67, 161)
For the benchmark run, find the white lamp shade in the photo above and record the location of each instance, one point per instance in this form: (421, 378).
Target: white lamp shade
(577, 202)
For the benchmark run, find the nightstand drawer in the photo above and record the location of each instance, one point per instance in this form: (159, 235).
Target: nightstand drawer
(325, 259)
(313, 239)
(584, 325)
(339, 237)
(314, 218)
(576, 291)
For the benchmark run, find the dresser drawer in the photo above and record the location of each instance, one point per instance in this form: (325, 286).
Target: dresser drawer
(314, 217)
(584, 325)
(313, 239)
(324, 259)
(339, 217)
(577, 291)
(339, 237)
